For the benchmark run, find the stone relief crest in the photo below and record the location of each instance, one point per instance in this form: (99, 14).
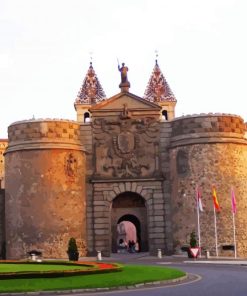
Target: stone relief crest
(70, 165)
(126, 148)
(125, 142)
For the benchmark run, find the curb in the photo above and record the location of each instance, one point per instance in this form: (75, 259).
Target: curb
(87, 290)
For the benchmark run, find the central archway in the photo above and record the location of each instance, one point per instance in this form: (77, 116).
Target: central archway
(130, 206)
(131, 230)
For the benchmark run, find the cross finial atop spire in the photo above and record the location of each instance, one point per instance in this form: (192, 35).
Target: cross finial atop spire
(91, 57)
(156, 56)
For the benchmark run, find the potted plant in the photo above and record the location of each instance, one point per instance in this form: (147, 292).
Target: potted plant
(72, 250)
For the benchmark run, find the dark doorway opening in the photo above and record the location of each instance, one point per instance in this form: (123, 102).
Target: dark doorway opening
(135, 221)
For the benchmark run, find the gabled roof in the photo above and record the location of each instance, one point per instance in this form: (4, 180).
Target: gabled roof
(91, 91)
(158, 89)
(132, 101)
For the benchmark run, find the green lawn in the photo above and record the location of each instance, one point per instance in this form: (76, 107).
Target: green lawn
(131, 274)
(37, 267)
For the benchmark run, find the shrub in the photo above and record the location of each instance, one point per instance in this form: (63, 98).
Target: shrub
(72, 250)
(193, 240)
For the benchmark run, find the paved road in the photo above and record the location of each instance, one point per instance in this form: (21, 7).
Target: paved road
(215, 279)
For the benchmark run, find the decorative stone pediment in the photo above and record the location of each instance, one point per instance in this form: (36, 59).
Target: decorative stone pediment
(132, 102)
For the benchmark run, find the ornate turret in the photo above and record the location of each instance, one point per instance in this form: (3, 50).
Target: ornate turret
(91, 93)
(159, 91)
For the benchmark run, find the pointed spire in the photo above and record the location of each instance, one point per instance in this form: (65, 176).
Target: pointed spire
(91, 91)
(158, 89)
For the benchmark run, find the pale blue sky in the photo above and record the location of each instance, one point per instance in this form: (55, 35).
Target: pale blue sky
(45, 50)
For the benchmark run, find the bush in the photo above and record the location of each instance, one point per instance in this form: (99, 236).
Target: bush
(193, 240)
(72, 250)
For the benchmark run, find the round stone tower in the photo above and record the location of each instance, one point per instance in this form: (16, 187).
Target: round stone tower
(45, 188)
(209, 150)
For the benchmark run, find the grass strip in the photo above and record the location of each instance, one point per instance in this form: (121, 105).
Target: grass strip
(38, 267)
(131, 274)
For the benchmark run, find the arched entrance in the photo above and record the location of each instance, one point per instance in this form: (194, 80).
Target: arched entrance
(130, 207)
(129, 229)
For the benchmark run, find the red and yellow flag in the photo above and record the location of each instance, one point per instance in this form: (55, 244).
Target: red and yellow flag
(215, 200)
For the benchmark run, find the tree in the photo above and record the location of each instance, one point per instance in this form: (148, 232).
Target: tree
(72, 250)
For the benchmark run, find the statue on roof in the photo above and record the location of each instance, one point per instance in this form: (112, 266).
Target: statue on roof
(124, 85)
(123, 70)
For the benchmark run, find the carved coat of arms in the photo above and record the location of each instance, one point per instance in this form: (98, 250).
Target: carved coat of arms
(126, 148)
(125, 142)
(70, 165)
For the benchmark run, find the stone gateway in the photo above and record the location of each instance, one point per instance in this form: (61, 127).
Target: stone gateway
(126, 163)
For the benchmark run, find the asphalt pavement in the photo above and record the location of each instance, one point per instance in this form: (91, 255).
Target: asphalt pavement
(222, 276)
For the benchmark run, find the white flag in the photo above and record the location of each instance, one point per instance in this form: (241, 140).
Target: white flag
(199, 200)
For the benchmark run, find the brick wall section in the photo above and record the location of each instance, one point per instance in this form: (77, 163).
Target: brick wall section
(165, 135)
(221, 162)
(45, 192)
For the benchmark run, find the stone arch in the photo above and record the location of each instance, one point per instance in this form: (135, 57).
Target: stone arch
(132, 207)
(133, 187)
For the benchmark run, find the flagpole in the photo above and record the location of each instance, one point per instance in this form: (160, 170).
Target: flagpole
(215, 231)
(234, 235)
(234, 210)
(198, 223)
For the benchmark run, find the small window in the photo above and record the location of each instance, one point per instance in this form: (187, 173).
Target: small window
(164, 115)
(87, 117)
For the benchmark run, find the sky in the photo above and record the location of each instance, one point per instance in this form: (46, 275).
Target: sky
(46, 47)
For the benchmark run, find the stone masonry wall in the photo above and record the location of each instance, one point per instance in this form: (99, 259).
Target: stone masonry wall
(2, 218)
(45, 188)
(165, 135)
(3, 146)
(217, 156)
(86, 139)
